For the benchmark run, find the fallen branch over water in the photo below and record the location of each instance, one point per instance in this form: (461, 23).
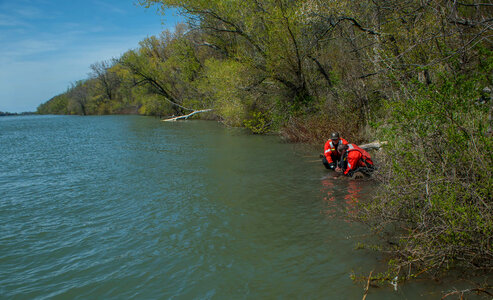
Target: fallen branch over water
(186, 116)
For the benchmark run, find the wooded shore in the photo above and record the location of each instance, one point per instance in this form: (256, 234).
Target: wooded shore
(416, 74)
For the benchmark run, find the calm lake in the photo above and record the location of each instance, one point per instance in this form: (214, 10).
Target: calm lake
(128, 207)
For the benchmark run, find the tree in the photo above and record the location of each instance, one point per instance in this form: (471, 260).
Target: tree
(108, 81)
(79, 95)
(57, 105)
(262, 35)
(167, 66)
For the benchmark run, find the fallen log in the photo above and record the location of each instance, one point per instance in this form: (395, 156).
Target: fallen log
(186, 116)
(373, 146)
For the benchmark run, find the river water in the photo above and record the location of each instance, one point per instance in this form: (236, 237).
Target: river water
(130, 207)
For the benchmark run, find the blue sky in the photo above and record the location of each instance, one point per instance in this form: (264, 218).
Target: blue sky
(47, 44)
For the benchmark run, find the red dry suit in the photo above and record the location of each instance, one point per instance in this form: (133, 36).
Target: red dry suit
(330, 151)
(357, 157)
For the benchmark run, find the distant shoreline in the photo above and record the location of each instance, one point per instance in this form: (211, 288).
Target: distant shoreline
(5, 114)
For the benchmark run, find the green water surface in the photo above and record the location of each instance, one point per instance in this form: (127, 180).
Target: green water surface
(128, 207)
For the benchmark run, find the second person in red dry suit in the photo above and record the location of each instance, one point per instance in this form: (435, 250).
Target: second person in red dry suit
(355, 159)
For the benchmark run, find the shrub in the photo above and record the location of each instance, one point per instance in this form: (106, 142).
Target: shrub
(436, 198)
(258, 123)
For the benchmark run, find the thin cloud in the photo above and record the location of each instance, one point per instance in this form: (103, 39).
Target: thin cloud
(110, 8)
(11, 21)
(24, 11)
(48, 45)
(29, 12)
(27, 47)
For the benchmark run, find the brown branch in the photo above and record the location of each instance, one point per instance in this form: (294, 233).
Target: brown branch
(369, 75)
(237, 29)
(475, 4)
(155, 84)
(299, 71)
(358, 25)
(469, 23)
(477, 290)
(321, 70)
(367, 286)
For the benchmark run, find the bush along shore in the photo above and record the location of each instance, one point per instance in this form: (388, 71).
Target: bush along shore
(418, 74)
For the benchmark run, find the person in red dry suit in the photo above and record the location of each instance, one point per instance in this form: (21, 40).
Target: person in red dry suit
(332, 157)
(355, 159)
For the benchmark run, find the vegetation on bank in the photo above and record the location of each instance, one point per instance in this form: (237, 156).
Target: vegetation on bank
(415, 73)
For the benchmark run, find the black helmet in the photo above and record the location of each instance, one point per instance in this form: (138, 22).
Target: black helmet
(334, 136)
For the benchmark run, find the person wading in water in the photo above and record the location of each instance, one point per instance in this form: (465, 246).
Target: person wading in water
(355, 161)
(331, 157)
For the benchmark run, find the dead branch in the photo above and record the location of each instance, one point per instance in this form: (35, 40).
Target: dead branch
(461, 293)
(373, 146)
(186, 116)
(367, 286)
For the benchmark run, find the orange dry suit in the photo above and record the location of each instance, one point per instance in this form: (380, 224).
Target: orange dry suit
(330, 151)
(357, 158)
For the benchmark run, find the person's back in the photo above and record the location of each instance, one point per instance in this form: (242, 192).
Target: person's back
(357, 159)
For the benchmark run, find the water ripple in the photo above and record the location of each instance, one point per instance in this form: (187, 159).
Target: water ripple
(129, 207)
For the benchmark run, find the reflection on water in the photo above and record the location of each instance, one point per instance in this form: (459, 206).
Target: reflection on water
(341, 197)
(335, 188)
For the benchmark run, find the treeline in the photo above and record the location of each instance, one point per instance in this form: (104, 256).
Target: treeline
(6, 113)
(303, 68)
(413, 72)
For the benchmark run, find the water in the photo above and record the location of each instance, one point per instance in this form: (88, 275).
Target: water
(130, 207)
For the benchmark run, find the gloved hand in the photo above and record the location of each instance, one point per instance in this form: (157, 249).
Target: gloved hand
(357, 175)
(332, 166)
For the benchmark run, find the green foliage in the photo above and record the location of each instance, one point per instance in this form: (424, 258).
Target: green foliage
(153, 105)
(258, 123)
(223, 81)
(440, 187)
(56, 105)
